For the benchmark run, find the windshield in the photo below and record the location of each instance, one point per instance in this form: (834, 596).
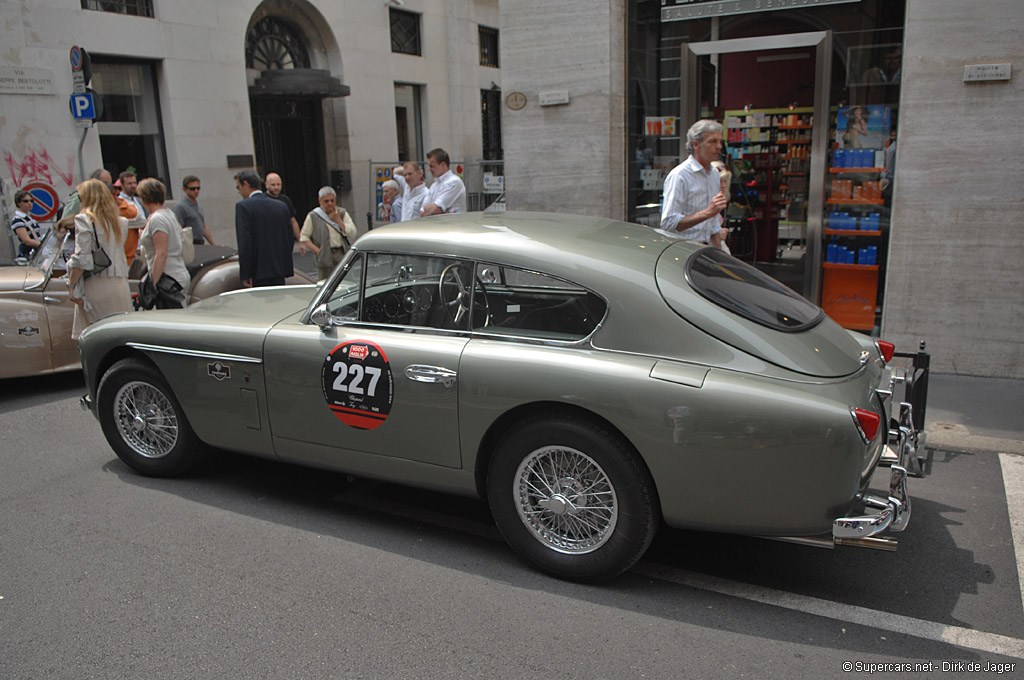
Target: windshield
(740, 288)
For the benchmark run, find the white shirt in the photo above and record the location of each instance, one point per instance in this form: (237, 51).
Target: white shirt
(689, 189)
(137, 202)
(412, 199)
(448, 193)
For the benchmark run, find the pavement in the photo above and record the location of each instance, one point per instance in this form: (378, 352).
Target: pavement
(968, 413)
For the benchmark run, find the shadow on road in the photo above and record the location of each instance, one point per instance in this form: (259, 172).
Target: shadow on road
(924, 580)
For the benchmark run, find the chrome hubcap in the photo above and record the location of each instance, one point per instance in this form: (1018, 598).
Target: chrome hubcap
(145, 419)
(565, 499)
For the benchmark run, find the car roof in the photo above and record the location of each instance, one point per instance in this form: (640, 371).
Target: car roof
(586, 250)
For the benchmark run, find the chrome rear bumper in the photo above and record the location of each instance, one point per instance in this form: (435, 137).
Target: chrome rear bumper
(893, 515)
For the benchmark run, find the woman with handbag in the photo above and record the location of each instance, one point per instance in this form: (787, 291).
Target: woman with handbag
(98, 279)
(163, 246)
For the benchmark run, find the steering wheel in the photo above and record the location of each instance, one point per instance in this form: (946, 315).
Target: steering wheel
(456, 294)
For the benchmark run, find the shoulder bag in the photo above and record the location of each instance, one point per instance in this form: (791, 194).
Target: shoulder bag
(100, 259)
(188, 246)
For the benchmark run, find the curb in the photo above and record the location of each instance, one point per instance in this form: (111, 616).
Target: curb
(953, 437)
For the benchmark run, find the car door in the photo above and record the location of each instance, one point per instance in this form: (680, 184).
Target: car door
(381, 379)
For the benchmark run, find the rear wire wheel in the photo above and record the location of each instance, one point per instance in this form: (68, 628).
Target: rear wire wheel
(572, 498)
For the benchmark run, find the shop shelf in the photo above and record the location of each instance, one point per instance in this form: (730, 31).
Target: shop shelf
(850, 267)
(857, 201)
(852, 232)
(837, 171)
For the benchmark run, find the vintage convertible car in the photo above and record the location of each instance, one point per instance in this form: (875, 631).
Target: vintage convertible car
(36, 315)
(588, 377)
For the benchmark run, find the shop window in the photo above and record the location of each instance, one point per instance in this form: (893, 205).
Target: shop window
(139, 8)
(488, 46)
(490, 121)
(130, 128)
(405, 32)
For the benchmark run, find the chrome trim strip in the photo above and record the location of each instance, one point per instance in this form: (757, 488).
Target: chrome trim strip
(180, 351)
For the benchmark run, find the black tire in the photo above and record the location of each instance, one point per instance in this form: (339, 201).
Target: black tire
(143, 421)
(599, 478)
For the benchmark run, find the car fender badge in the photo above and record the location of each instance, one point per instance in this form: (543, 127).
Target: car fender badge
(218, 371)
(358, 385)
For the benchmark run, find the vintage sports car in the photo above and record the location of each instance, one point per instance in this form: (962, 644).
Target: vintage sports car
(587, 377)
(36, 315)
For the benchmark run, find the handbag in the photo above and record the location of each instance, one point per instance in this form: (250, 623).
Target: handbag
(188, 246)
(100, 259)
(166, 294)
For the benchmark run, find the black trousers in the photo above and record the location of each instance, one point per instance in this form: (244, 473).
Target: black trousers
(261, 283)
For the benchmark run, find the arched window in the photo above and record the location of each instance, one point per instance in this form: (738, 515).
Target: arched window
(274, 44)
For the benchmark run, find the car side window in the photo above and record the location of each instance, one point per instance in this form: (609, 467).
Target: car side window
(344, 300)
(417, 291)
(532, 304)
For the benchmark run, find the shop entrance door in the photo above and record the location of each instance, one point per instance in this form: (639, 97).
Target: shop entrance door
(772, 96)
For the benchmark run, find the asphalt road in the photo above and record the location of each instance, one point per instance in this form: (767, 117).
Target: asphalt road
(253, 569)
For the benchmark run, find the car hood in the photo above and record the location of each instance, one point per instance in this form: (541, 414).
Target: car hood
(825, 350)
(231, 323)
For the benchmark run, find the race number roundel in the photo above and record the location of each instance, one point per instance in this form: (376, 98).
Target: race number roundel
(358, 385)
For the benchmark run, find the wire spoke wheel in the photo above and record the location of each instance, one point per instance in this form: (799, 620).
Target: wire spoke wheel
(145, 419)
(566, 500)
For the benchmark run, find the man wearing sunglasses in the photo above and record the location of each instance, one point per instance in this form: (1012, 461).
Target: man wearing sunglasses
(190, 214)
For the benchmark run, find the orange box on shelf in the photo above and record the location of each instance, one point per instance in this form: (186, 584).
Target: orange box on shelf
(848, 294)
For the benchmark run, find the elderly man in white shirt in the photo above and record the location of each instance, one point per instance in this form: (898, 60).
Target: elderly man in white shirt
(447, 194)
(410, 181)
(693, 195)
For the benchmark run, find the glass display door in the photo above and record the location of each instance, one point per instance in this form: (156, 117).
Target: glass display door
(771, 95)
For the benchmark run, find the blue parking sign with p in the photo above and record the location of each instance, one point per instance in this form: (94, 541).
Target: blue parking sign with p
(83, 106)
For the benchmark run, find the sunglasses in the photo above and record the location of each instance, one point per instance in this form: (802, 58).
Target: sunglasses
(192, 188)
(26, 200)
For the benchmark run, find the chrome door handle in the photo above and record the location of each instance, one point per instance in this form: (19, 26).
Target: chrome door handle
(47, 298)
(431, 374)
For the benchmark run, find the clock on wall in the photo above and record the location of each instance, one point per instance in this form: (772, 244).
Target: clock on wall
(515, 100)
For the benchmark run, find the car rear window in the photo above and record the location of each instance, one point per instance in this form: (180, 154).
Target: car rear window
(740, 288)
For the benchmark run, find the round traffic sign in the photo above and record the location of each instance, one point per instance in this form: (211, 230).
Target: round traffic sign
(76, 58)
(45, 202)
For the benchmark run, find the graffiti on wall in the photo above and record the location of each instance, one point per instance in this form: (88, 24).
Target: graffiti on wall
(39, 174)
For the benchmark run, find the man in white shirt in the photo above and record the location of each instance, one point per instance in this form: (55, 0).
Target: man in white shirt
(410, 181)
(447, 194)
(129, 191)
(693, 195)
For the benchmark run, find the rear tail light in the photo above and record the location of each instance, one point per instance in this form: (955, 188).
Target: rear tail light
(886, 349)
(867, 423)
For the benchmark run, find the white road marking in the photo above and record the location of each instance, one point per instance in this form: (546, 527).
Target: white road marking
(929, 630)
(1013, 481)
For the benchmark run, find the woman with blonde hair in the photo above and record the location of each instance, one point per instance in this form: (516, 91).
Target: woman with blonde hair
(100, 233)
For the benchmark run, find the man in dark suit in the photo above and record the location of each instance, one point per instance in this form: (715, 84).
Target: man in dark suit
(264, 230)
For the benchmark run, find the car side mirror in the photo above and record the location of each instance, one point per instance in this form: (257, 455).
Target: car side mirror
(322, 317)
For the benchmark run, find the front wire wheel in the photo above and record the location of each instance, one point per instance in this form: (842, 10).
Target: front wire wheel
(572, 497)
(143, 421)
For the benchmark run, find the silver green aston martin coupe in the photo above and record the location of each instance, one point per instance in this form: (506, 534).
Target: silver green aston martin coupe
(588, 377)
